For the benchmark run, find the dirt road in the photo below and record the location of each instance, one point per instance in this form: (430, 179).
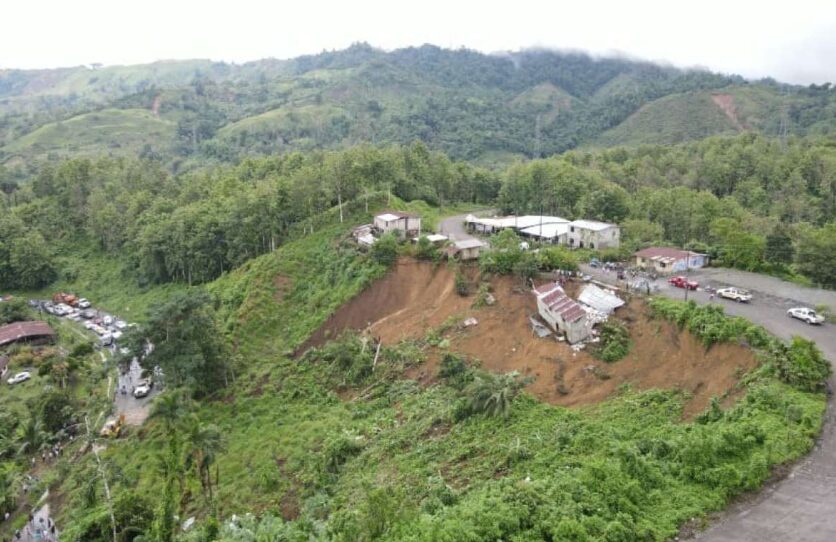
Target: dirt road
(801, 507)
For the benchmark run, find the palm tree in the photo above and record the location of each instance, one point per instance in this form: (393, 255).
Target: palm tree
(171, 408)
(31, 436)
(205, 443)
(493, 395)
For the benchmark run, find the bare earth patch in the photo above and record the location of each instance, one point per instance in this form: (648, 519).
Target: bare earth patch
(415, 297)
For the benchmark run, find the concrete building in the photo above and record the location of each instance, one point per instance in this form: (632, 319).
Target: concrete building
(666, 261)
(593, 234)
(400, 223)
(561, 312)
(468, 249)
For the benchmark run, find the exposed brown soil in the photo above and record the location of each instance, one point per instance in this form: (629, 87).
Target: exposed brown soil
(155, 106)
(726, 103)
(415, 297)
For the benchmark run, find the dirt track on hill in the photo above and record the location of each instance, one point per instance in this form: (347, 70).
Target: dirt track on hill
(416, 297)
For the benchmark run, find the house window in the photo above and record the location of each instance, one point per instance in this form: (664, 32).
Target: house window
(572, 229)
(591, 245)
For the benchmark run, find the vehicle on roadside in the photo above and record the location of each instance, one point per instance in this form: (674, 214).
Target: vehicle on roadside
(735, 294)
(19, 377)
(88, 314)
(143, 388)
(681, 282)
(806, 315)
(594, 262)
(62, 309)
(83, 303)
(112, 427)
(121, 325)
(116, 335)
(107, 320)
(106, 339)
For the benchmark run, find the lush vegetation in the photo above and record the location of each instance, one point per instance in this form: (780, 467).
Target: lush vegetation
(340, 444)
(748, 201)
(614, 342)
(192, 228)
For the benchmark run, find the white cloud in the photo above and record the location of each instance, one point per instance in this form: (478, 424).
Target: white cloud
(790, 41)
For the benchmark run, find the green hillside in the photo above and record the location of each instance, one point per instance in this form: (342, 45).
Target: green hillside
(672, 119)
(485, 108)
(116, 131)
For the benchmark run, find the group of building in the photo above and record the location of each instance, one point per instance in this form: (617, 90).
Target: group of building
(408, 226)
(552, 229)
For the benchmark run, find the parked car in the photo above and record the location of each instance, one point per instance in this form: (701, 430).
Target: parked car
(735, 294)
(106, 339)
(143, 388)
(107, 320)
(88, 314)
(83, 303)
(594, 262)
(681, 282)
(806, 315)
(19, 377)
(120, 325)
(116, 335)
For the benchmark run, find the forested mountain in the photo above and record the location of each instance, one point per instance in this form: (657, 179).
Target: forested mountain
(469, 105)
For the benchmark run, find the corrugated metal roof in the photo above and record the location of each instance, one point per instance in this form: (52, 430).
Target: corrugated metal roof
(388, 217)
(24, 330)
(547, 231)
(665, 253)
(469, 243)
(559, 303)
(599, 299)
(593, 225)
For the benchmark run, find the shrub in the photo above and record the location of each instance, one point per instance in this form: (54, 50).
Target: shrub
(462, 287)
(426, 250)
(14, 310)
(551, 258)
(493, 395)
(385, 250)
(614, 343)
(801, 364)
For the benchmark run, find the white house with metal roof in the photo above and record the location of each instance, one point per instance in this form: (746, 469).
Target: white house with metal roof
(593, 234)
(561, 312)
(401, 223)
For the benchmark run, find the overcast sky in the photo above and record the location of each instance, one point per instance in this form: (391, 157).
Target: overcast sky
(793, 41)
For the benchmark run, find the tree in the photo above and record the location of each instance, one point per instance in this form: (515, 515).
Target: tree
(385, 250)
(204, 442)
(779, 249)
(493, 395)
(13, 310)
(816, 254)
(188, 345)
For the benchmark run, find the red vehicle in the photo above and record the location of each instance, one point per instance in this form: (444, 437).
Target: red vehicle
(682, 282)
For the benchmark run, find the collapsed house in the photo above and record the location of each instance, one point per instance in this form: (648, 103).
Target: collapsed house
(599, 299)
(561, 312)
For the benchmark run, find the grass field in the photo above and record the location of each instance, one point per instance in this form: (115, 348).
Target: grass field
(118, 131)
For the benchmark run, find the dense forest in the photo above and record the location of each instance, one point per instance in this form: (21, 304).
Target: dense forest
(748, 201)
(490, 108)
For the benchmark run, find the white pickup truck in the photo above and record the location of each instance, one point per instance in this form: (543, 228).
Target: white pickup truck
(806, 315)
(735, 294)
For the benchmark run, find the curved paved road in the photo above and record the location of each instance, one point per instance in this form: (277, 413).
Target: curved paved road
(801, 507)
(453, 226)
